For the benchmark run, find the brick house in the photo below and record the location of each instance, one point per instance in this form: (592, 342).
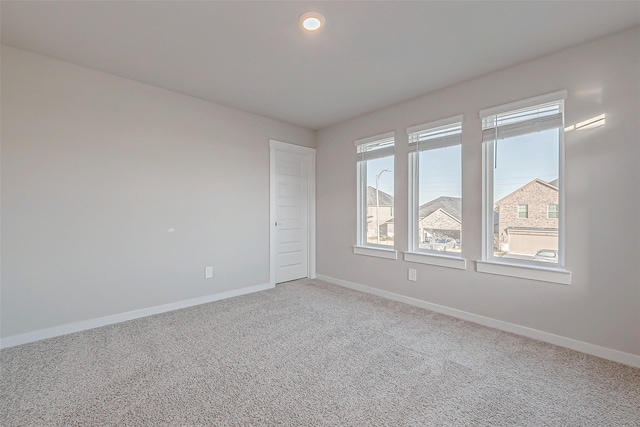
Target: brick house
(527, 219)
(440, 217)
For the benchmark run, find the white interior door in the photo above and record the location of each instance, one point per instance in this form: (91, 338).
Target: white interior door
(290, 216)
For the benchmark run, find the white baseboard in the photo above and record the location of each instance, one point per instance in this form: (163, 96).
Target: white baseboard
(71, 328)
(583, 347)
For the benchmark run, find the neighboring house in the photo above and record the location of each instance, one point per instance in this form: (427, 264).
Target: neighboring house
(528, 218)
(384, 208)
(440, 218)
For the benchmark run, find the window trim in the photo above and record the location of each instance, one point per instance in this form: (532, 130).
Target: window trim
(439, 259)
(555, 211)
(557, 96)
(524, 271)
(514, 267)
(362, 247)
(376, 251)
(525, 211)
(435, 124)
(374, 138)
(414, 252)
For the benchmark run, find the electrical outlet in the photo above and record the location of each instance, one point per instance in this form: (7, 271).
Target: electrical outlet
(412, 274)
(208, 272)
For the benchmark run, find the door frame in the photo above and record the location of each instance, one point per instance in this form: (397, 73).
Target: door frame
(310, 154)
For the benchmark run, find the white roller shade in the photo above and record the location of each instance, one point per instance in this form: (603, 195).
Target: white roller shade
(372, 148)
(521, 122)
(435, 137)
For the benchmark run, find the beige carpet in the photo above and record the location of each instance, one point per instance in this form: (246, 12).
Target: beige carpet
(308, 353)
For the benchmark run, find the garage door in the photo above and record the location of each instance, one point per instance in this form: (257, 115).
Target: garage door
(527, 244)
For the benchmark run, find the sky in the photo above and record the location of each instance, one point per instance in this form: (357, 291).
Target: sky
(440, 173)
(522, 159)
(519, 161)
(374, 167)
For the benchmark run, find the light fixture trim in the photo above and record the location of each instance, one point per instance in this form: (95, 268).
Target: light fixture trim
(312, 21)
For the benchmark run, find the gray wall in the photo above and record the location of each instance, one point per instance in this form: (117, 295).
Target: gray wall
(602, 306)
(96, 169)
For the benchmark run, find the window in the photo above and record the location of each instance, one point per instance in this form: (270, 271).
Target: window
(523, 211)
(435, 202)
(375, 191)
(523, 182)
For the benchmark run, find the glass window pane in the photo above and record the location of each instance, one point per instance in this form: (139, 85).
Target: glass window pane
(380, 201)
(439, 199)
(526, 197)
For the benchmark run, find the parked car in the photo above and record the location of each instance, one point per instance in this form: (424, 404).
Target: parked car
(441, 244)
(546, 255)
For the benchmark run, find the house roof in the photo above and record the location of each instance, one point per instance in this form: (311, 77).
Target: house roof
(450, 205)
(553, 185)
(384, 199)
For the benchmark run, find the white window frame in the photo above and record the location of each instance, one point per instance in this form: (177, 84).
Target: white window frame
(414, 252)
(524, 211)
(549, 211)
(513, 267)
(362, 247)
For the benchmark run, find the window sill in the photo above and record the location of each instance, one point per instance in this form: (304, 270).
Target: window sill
(436, 259)
(375, 252)
(540, 273)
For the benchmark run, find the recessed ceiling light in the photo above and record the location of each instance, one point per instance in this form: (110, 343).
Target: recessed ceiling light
(312, 21)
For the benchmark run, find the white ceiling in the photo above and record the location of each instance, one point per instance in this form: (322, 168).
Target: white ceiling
(253, 56)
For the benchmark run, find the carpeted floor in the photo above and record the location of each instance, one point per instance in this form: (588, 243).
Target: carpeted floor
(308, 353)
